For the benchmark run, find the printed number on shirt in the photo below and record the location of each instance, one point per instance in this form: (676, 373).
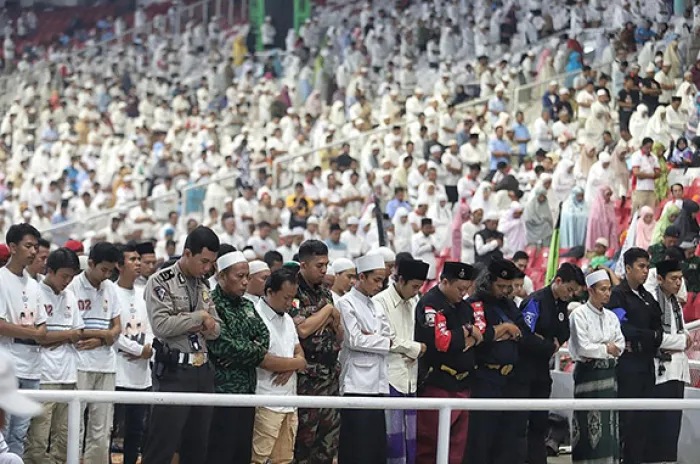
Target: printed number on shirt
(84, 305)
(49, 309)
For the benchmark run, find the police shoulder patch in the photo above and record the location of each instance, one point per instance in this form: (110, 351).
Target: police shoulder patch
(159, 292)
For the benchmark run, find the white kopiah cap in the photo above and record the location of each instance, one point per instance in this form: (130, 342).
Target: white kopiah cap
(229, 259)
(369, 263)
(249, 254)
(386, 253)
(258, 266)
(342, 265)
(353, 221)
(596, 276)
(12, 401)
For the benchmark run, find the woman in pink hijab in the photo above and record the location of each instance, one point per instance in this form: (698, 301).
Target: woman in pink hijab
(461, 215)
(601, 220)
(645, 227)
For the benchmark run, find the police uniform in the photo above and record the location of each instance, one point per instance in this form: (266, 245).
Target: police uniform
(319, 429)
(490, 431)
(445, 368)
(547, 317)
(174, 302)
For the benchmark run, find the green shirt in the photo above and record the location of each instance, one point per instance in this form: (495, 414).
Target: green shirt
(241, 346)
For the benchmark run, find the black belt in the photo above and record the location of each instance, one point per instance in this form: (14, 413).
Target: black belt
(25, 341)
(634, 347)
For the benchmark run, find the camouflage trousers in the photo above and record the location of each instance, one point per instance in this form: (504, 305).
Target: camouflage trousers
(319, 429)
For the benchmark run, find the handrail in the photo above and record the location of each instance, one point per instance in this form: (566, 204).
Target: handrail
(445, 406)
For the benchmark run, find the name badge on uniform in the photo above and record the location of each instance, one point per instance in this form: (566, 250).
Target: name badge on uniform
(430, 316)
(205, 296)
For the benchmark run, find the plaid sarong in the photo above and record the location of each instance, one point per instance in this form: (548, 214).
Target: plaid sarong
(401, 432)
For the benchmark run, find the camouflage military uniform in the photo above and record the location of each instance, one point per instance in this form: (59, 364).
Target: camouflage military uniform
(691, 272)
(319, 429)
(657, 252)
(241, 346)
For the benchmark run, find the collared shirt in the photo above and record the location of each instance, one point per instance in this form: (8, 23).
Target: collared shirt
(647, 164)
(521, 132)
(591, 330)
(283, 341)
(404, 351)
(366, 343)
(498, 145)
(252, 298)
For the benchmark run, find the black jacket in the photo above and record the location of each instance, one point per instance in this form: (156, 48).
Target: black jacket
(545, 316)
(495, 311)
(439, 324)
(640, 321)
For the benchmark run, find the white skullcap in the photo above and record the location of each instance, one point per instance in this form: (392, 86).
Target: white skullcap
(284, 231)
(492, 216)
(258, 266)
(312, 220)
(418, 90)
(229, 259)
(228, 200)
(602, 241)
(562, 138)
(298, 231)
(499, 88)
(604, 157)
(601, 92)
(553, 83)
(596, 276)
(369, 263)
(563, 91)
(249, 254)
(386, 253)
(651, 67)
(353, 221)
(435, 149)
(342, 265)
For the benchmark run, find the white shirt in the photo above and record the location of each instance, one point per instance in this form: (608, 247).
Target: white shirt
(646, 164)
(20, 305)
(404, 351)
(59, 364)
(364, 366)
(424, 248)
(678, 368)
(97, 306)
(136, 333)
(591, 330)
(283, 341)
(261, 245)
(353, 243)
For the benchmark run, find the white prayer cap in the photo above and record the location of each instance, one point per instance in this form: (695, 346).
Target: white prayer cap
(258, 266)
(353, 221)
(249, 254)
(651, 67)
(312, 220)
(666, 63)
(562, 138)
(418, 90)
(452, 142)
(369, 263)
(298, 231)
(492, 216)
(387, 255)
(602, 241)
(601, 92)
(553, 83)
(596, 276)
(394, 93)
(435, 149)
(499, 88)
(421, 162)
(563, 91)
(658, 59)
(604, 157)
(284, 231)
(342, 265)
(228, 200)
(229, 259)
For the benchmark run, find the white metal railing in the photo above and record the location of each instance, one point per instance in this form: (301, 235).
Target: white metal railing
(443, 405)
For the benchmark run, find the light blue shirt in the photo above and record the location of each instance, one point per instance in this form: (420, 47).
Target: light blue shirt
(521, 132)
(498, 145)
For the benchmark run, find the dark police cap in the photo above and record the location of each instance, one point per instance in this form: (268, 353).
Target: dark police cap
(672, 231)
(500, 268)
(669, 265)
(413, 269)
(145, 248)
(456, 270)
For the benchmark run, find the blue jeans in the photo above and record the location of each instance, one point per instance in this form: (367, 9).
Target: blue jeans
(16, 430)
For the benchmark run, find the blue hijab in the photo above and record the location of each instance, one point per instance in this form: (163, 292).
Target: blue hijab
(574, 219)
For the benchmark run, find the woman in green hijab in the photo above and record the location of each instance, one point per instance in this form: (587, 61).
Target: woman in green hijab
(661, 182)
(668, 217)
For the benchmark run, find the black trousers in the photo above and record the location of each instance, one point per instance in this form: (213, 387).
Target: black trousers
(528, 429)
(362, 436)
(634, 425)
(665, 426)
(231, 436)
(182, 429)
(490, 432)
(452, 194)
(131, 420)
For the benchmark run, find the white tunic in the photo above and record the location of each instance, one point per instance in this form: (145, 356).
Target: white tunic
(678, 368)
(365, 346)
(135, 334)
(591, 330)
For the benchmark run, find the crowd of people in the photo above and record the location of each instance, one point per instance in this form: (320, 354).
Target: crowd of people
(435, 149)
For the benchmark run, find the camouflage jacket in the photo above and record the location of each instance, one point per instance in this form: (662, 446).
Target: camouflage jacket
(241, 347)
(691, 272)
(321, 349)
(656, 253)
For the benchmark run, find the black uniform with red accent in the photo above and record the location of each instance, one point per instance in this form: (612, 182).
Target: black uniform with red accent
(490, 431)
(444, 371)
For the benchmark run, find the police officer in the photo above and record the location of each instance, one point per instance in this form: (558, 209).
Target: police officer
(546, 315)
(444, 324)
(320, 332)
(498, 320)
(183, 318)
(641, 324)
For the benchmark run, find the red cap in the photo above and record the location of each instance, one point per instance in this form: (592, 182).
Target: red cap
(4, 253)
(74, 246)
